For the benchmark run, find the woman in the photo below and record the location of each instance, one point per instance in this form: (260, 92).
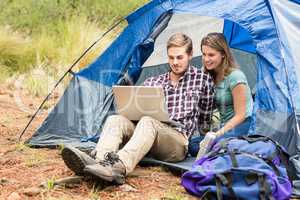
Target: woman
(232, 94)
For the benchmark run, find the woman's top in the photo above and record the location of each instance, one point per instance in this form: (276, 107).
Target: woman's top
(224, 98)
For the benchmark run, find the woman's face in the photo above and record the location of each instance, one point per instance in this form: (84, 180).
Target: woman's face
(211, 58)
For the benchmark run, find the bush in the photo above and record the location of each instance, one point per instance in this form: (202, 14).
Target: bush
(55, 33)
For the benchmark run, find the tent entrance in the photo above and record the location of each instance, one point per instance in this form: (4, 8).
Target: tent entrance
(197, 27)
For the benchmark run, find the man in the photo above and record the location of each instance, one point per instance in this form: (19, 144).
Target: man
(189, 99)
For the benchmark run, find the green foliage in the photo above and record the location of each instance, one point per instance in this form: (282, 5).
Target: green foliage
(94, 193)
(21, 147)
(51, 34)
(60, 148)
(35, 160)
(15, 49)
(175, 193)
(36, 15)
(50, 183)
(174, 196)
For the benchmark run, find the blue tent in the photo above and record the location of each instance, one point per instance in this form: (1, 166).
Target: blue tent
(264, 32)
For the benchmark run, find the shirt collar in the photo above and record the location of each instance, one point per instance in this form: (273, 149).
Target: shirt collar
(189, 71)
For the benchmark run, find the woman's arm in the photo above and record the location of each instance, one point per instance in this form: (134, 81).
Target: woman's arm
(239, 106)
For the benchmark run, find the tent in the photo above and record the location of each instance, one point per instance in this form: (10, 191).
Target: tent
(264, 35)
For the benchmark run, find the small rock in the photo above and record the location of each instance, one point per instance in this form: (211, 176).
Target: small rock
(4, 181)
(3, 91)
(127, 188)
(33, 191)
(14, 196)
(56, 95)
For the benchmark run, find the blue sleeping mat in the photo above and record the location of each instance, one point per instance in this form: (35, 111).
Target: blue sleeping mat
(183, 166)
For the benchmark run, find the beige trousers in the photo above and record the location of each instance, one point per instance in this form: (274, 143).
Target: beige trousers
(133, 143)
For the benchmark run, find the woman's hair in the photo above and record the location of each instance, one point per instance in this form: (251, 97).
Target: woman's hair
(218, 42)
(181, 40)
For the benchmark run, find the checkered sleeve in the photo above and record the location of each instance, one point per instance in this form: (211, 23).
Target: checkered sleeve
(148, 82)
(206, 104)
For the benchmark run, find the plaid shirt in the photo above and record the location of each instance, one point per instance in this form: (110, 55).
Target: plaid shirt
(190, 103)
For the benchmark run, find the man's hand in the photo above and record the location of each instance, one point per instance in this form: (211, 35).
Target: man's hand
(205, 144)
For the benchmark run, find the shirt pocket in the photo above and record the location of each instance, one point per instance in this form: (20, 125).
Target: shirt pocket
(191, 100)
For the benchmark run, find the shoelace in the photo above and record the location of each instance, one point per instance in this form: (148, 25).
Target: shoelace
(110, 158)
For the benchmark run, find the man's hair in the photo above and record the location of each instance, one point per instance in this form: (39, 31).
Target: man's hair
(181, 40)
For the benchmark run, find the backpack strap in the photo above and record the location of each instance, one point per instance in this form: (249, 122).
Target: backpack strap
(264, 190)
(226, 180)
(224, 146)
(274, 167)
(207, 195)
(219, 189)
(254, 138)
(262, 187)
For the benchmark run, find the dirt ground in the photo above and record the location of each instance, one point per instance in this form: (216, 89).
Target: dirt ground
(27, 173)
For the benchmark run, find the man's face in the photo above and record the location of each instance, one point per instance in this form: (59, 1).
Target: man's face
(178, 60)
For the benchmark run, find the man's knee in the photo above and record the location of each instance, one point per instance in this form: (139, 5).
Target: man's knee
(146, 124)
(116, 118)
(147, 119)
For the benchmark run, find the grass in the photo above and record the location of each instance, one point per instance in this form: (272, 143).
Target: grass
(15, 50)
(33, 157)
(34, 16)
(35, 160)
(49, 35)
(21, 147)
(94, 193)
(175, 193)
(60, 148)
(50, 183)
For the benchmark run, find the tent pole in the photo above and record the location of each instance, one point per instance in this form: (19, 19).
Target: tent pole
(70, 71)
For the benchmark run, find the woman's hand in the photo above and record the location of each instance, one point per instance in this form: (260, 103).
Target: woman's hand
(206, 143)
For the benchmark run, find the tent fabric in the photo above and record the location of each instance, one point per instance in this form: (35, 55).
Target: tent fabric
(287, 15)
(110, 66)
(237, 37)
(263, 32)
(296, 1)
(80, 113)
(268, 29)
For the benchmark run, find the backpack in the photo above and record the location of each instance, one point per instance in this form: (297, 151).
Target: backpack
(247, 167)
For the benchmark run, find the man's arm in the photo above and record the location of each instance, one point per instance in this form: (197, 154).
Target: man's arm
(148, 82)
(153, 81)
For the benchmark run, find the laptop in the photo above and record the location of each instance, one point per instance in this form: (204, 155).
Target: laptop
(134, 102)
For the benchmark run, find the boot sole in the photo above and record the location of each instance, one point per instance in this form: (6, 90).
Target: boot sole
(117, 179)
(73, 161)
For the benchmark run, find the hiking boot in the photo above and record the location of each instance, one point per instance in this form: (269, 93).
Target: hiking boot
(76, 160)
(110, 169)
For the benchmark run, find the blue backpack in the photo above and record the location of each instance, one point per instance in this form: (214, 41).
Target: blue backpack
(248, 167)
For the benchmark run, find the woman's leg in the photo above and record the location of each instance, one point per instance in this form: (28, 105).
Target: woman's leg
(240, 130)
